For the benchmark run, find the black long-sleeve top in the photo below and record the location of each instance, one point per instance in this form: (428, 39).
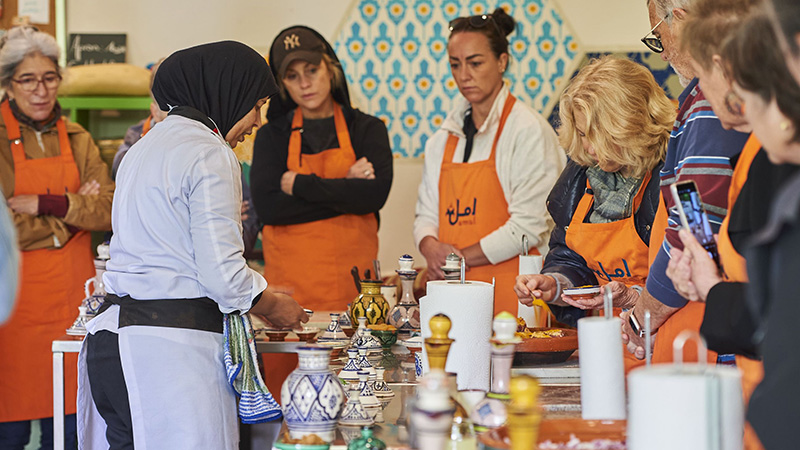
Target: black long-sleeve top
(316, 198)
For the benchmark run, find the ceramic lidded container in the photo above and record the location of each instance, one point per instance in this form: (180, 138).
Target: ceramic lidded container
(313, 396)
(370, 303)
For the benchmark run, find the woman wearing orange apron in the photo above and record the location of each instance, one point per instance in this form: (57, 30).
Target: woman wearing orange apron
(57, 186)
(321, 172)
(488, 169)
(605, 201)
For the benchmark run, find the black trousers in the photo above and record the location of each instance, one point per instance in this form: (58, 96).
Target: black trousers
(109, 391)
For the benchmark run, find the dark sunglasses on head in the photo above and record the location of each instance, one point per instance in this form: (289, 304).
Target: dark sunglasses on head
(477, 21)
(652, 41)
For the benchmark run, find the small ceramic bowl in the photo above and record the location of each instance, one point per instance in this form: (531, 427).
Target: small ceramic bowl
(336, 347)
(583, 292)
(349, 331)
(307, 334)
(276, 335)
(387, 337)
(413, 344)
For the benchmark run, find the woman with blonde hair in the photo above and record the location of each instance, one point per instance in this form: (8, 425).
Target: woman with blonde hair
(615, 125)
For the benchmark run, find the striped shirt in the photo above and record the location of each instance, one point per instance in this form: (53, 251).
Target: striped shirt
(699, 149)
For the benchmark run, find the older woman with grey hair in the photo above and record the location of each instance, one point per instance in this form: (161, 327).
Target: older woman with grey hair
(57, 189)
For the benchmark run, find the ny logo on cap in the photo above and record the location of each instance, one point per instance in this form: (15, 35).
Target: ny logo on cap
(291, 41)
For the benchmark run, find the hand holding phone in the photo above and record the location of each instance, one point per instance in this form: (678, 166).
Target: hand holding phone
(693, 216)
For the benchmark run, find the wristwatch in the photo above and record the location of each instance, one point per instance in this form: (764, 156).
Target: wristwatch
(634, 323)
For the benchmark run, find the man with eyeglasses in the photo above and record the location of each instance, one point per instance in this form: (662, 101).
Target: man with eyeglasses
(700, 150)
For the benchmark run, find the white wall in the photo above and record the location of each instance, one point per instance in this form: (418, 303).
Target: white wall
(155, 28)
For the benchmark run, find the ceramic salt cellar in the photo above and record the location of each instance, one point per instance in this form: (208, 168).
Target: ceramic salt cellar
(334, 332)
(353, 413)
(524, 415)
(370, 303)
(350, 370)
(367, 397)
(363, 363)
(363, 338)
(491, 411)
(312, 395)
(432, 413)
(381, 389)
(405, 315)
(366, 442)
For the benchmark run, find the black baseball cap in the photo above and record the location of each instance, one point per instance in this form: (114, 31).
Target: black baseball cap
(293, 44)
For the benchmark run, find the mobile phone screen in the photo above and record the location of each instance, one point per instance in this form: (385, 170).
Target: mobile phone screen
(690, 204)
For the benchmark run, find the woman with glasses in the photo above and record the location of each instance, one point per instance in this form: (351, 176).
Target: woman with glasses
(58, 190)
(615, 124)
(758, 319)
(488, 168)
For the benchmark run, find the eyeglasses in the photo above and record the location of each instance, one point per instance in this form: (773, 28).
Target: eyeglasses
(479, 21)
(734, 103)
(652, 41)
(31, 83)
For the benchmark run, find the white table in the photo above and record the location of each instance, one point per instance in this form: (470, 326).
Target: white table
(64, 344)
(72, 344)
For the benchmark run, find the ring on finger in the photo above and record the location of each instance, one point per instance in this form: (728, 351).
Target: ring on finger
(366, 172)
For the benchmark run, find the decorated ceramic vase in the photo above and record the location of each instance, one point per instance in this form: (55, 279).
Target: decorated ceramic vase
(367, 397)
(380, 388)
(405, 315)
(370, 303)
(363, 363)
(313, 396)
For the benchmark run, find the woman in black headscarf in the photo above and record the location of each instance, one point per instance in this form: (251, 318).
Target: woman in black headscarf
(153, 357)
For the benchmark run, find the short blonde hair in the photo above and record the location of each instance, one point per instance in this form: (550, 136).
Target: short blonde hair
(629, 117)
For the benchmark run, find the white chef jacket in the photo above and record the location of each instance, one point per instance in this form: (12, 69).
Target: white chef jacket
(529, 160)
(177, 234)
(177, 220)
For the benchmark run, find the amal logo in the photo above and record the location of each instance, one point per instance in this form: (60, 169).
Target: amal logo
(602, 273)
(454, 214)
(291, 41)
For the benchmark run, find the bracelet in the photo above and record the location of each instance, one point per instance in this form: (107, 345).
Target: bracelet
(558, 288)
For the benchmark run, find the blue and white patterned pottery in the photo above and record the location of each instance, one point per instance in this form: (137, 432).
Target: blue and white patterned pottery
(353, 413)
(350, 370)
(379, 386)
(334, 332)
(312, 395)
(418, 364)
(363, 362)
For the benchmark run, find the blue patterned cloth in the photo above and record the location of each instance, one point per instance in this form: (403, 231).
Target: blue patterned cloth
(256, 404)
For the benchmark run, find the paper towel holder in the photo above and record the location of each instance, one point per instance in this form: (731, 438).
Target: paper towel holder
(680, 342)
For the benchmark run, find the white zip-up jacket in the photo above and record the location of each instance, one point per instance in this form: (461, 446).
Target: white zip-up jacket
(528, 161)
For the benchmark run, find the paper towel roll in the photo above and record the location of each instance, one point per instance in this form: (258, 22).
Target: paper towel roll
(528, 265)
(601, 368)
(470, 307)
(686, 406)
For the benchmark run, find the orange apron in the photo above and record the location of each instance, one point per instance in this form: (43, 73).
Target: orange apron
(315, 258)
(50, 293)
(472, 205)
(614, 250)
(736, 270)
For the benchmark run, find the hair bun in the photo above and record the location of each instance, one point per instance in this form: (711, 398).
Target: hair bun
(506, 23)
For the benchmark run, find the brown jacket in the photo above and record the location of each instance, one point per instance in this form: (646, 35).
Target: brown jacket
(87, 212)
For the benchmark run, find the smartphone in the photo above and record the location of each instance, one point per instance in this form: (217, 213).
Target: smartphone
(693, 216)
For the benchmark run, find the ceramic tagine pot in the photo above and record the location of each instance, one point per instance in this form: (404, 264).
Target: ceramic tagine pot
(366, 441)
(405, 315)
(313, 396)
(491, 411)
(363, 338)
(370, 303)
(334, 332)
